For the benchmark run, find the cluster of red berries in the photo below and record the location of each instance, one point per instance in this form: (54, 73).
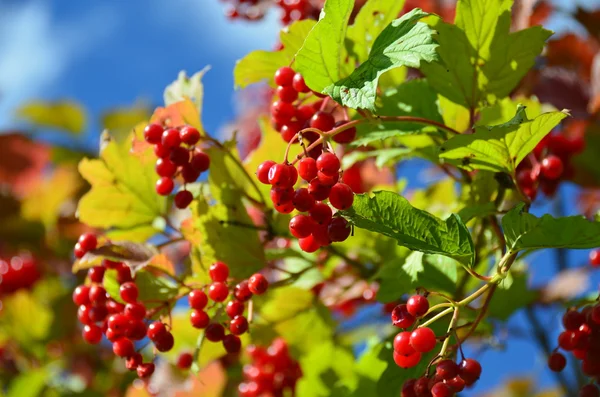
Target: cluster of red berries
(449, 378)
(289, 115)
(409, 346)
(548, 164)
(319, 227)
(595, 257)
(122, 324)
(582, 338)
(87, 242)
(175, 160)
(218, 292)
(19, 271)
(292, 10)
(272, 372)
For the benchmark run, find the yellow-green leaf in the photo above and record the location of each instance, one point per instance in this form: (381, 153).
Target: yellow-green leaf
(62, 115)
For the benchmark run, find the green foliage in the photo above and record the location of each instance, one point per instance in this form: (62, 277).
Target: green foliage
(524, 231)
(392, 215)
(324, 368)
(508, 300)
(404, 42)
(66, 116)
(152, 289)
(500, 148)
(30, 384)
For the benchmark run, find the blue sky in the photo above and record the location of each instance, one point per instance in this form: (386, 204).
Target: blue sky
(113, 53)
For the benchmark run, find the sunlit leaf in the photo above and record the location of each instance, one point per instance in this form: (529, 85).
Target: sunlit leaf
(61, 115)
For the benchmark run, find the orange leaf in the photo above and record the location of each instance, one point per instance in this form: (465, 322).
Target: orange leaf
(177, 114)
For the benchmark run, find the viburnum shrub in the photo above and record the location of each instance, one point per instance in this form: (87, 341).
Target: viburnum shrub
(276, 250)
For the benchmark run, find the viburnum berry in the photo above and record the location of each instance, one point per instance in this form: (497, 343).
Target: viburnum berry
(328, 163)
(92, 334)
(96, 274)
(279, 176)
(262, 172)
(441, 389)
(81, 295)
(572, 320)
(589, 391)
(218, 271)
(218, 291)
(338, 229)
(136, 330)
(238, 325)
(170, 138)
(422, 387)
(446, 369)
(129, 292)
(318, 190)
(241, 291)
(321, 235)
(401, 318)
(345, 136)
(183, 199)
(156, 330)
(322, 121)
(402, 344)
(153, 133)
(552, 167)
(234, 308)
(189, 173)
(282, 195)
(557, 362)
(303, 200)
(469, 371)
(321, 213)
(307, 169)
(197, 299)
(161, 151)
(299, 84)
(164, 186)
(417, 305)
(123, 347)
(407, 361)
(423, 340)
(457, 384)
(595, 258)
(301, 226)
(327, 180)
(118, 322)
(133, 361)
(123, 274)
(286, 93)
(199, 319)
(83, 315)
(145, 370)
(88, 241)
(189, 135)
(305, 112)
(289, 130)
(200, 161)
(180, 156)
(97, 295)
(284, 76)
(97, 313)
(164, 342)
(282, 111)
(341, 196)
(308, 244)
(185, 360)
(214, 332)
(232, 343)
(284, 208)
(135, 310)
(78, 251)
(258, 284)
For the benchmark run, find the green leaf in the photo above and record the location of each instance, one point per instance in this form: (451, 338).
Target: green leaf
(480, 59)
(319, 59)
(506, 301)
(404, 42)
(524, 231)
(261, 65)
(372, 18)
(62, 115)
(392, 215)
(18, 310)
(504, 110)
(29, 384)
(500, 148)
(414, 265)
(476, 211)
(134, 255)
(123, 197)
(186, 87)
(153, 290)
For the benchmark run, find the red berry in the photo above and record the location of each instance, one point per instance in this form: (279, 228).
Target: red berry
(284, 208)
(165, 168)
(572, 320)
(524, 178)
(305, 112)
(282, 195)
(218, 271)
(232, 344)
(328, 163)
(238, 325)
(552, 167)
(129, 292)
(302, 200)
(234, 308)
(589, 391)
(185, 360)
(446, 369)
(218, 292)
(457, 384)
(299, 84)
(284, 76)
(199, 319)
(287, 94)
(170, 138)
(189, 135)
(595, 314)
(322, 121)
(136, 330)
(97, 313)
(321, 235)
(123, 273)
(423, 340)
(135, 310)
(183, 199)
(280, 175)
(289, 130)
(339, 229)
(78, 251)
(118, 322)
(179, 156)
(402, 344)
(164, 186)
(92, 334)
(88, 241)
(282, 111)
(328, 180)
(165, 342)
(83, 315)
(407, 361)
(214, 332)
(200, 161)
(197, 299)
(345, 136)
(153, 133)
(133, 361)
(595, 258)
(309, 244)
(161, 151)
(341, 196)
(81, 295)
(417, 305)
(301, 226)
(123, 347)
(470, 371)
(307, 169)
(557, 362)
(441, 389)
(97, 295)
(321, 213)
(241, 291)
(258, 284)
(262, 173)
(96, 274)
(189, 173)
(401, 318)
(145, 370)
(408, 388)
(319, 191)
(156, 330)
